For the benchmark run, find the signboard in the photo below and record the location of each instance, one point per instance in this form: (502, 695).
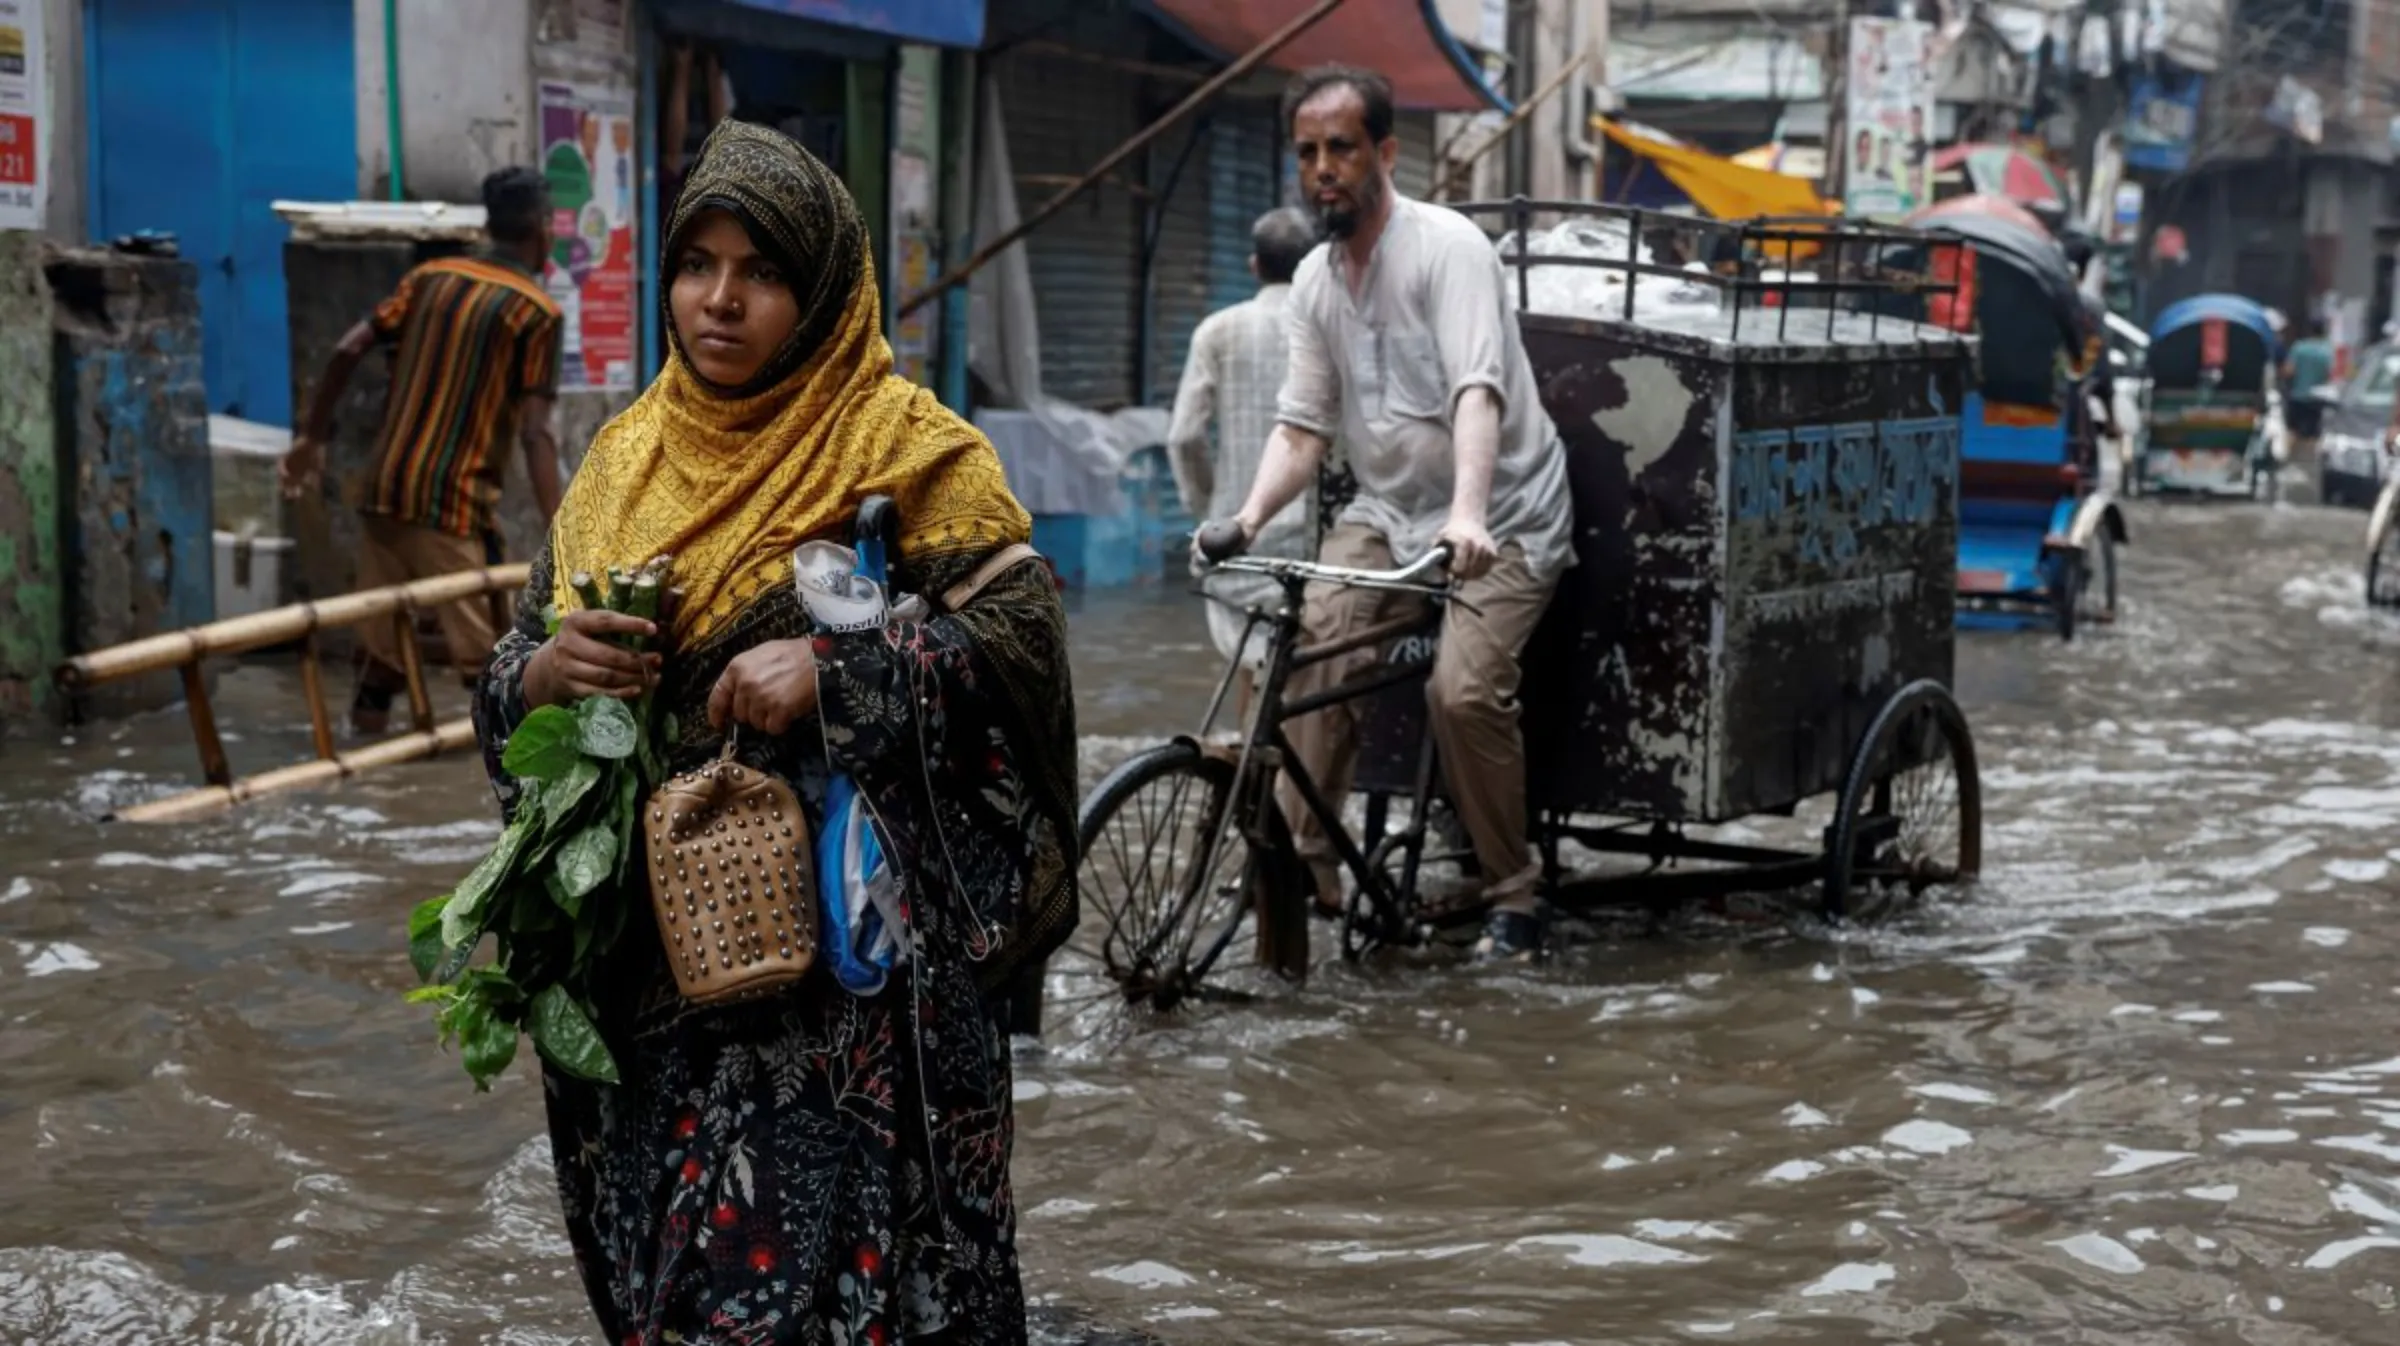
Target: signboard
(915, 218)
(2125, 223)
(2162, 119)
(1888, 118)
(588, 156)
(24, 191)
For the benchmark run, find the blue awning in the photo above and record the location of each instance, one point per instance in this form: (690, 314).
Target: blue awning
(2230, 308)
(943, 23)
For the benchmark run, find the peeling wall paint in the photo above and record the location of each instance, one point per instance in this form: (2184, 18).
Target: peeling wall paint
(31, 628)
(1841, 560)
(132, 427)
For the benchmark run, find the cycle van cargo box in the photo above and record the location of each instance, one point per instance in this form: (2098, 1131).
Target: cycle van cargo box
(1766, 546)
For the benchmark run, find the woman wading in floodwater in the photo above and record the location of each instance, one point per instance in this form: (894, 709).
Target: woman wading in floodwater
(821, 1166)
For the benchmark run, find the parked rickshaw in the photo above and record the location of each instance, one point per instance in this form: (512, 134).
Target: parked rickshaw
(2038, 530)
(2214, 402)
(1761, 616)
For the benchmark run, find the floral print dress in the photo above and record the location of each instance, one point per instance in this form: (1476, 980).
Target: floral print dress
(824, 1167)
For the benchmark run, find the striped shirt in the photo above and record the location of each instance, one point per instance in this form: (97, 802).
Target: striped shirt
(475, 336)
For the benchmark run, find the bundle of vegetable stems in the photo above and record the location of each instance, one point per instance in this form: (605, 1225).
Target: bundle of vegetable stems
(552, 896)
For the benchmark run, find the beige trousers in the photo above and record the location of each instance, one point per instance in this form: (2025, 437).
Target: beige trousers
(392, 552)
(1472, 698)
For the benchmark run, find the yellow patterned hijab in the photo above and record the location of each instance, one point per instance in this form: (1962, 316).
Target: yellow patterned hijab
(730, 481)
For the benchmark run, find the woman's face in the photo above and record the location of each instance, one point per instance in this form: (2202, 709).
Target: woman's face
(733, 308)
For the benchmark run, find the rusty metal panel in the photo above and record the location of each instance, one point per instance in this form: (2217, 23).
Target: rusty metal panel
(132, 417)
(1841, 559)
(1617, 707)
(1766, 541)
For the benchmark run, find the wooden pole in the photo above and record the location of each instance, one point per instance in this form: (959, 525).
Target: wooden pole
(454, 736)
(1837, 106)
(213, 763)
(1515, 120)
(1256, 57)
(277, 625)
(412, 666)
(312, 682)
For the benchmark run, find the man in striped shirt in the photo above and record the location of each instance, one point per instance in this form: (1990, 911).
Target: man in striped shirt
(475, 345)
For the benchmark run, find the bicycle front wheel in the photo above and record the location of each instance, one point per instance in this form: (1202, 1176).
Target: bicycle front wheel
(1155, 931)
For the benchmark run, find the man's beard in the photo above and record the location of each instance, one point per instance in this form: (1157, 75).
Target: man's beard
(1341, 221)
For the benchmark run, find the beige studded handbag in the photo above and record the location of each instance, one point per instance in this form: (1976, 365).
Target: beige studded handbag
(732, 881)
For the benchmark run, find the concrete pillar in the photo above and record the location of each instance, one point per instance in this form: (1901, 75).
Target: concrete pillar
(31, 629)
(132, 420)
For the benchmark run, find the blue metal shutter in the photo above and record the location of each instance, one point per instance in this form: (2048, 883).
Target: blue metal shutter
(203, 114)
(1246, 165)
(1182, 279)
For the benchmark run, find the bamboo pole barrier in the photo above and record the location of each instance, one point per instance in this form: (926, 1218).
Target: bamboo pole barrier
(186, 650)
(453, 736)
(234, 635)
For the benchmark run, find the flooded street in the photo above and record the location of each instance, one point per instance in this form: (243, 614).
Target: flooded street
(2143, 1087)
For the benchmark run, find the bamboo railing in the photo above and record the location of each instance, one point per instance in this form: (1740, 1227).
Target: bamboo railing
(186, 650)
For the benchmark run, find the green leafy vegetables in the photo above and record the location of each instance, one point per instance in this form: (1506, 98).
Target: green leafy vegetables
(552, 895)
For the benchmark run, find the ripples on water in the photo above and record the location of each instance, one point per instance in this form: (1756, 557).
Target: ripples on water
(2143, 1087)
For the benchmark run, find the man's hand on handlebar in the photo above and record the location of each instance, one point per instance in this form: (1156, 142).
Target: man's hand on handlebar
(1221, 540)
(1472, 551)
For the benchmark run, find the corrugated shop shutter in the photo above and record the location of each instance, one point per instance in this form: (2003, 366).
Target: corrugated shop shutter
(1062, 116)
(1414, 173)
(1246, 167)
(1180, 269)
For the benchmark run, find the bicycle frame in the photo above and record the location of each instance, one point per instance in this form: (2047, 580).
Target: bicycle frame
(1267, 750)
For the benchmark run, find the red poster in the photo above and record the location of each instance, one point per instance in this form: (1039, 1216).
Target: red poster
(2212, 344)
(587, 154)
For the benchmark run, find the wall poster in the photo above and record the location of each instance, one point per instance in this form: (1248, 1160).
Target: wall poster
(588, 156)
(24, 191)
(1888, 118)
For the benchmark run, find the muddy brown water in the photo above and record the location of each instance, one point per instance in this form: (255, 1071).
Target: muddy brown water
(2143, 1087)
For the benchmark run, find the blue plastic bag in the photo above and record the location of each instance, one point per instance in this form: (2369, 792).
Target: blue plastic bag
(863, 932)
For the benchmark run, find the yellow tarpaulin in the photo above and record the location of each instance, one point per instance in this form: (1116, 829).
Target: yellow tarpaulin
(1723, 188)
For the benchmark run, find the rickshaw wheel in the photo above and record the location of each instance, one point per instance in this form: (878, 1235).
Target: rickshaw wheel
(2067, 581)
(2097, 593)
(2383, 570)
(1149, 938)
(1910, 815)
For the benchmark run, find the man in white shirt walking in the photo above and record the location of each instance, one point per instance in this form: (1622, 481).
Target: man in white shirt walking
(1231, 378)
(1403, 344)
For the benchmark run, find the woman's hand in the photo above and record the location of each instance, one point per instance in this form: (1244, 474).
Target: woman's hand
(769, 688)
(582, 660)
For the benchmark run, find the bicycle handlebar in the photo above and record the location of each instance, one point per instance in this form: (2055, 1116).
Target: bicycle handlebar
(1413, 573)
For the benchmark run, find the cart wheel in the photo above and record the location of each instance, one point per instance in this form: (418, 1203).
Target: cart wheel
(2097, 594)
(1153, 932)
(1910, 817)
(1362, 932)
(2066, 583)
(2383, 569)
